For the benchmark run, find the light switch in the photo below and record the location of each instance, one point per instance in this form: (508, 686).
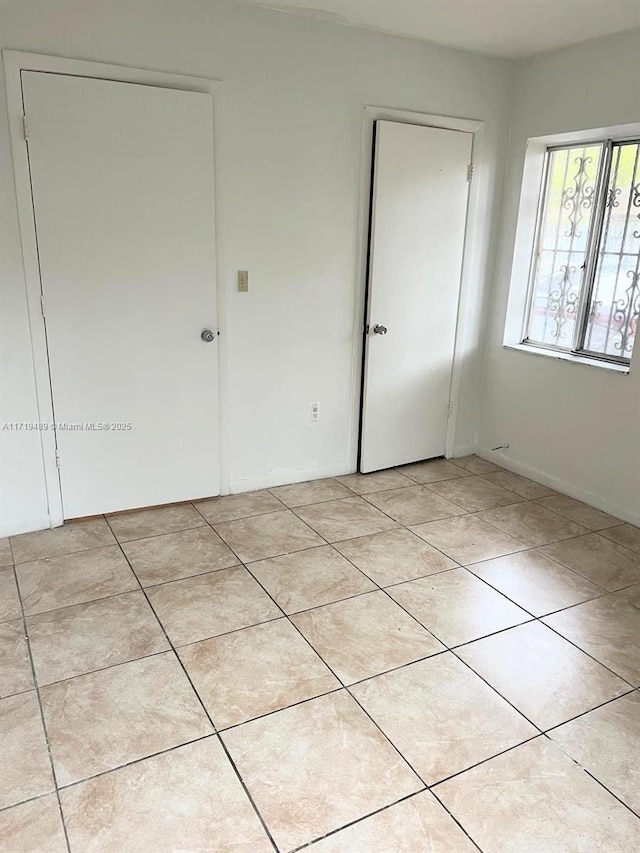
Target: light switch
(243, 281)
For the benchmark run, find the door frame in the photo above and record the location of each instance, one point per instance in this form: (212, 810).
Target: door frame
(471, 277)
(14, 63)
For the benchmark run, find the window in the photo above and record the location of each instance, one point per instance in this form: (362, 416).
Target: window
(584, 293)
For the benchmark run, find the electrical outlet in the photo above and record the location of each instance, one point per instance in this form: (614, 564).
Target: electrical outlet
(315, 412)
(243, 281)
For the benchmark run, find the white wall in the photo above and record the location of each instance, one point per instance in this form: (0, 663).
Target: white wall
(290, 123)
(575, 427)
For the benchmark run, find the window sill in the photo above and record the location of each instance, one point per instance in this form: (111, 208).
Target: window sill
(570, 357)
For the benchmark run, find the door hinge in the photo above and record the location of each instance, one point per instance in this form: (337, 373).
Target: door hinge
(25, 130)
(42, 304)
(470, 171)
(57, 458)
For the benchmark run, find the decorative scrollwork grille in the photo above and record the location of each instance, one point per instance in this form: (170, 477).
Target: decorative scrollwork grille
(615, 291)
(585, 287)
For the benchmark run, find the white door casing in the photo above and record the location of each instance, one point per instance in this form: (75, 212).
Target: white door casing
(122, 182)
(418, 218)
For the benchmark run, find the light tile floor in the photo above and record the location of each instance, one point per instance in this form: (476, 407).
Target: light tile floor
(439, 658)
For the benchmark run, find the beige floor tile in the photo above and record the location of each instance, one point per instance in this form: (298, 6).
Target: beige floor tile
(244, 505)
(99, 721)
(532, 524)
(606, 742)
(418, 823)
(581, 513)
(310, 578)
(441, 716)
(528, 489)
(9, 599)
(345, 519)
(6, 558)
(536, 582)
(188, 799)
(267, 535)
(313, 492)
(317, 766)
(363, 484)
(603, 562)
(626, 535)
(33, 827)
(534, 799)
(467, 539)
(476, 465)
(608, 629)
(255, 671)
(456, 607)
(364, 636)
(207, 605)
(25, 769)
(74, 578)
(395, 556)
(631, 594)
(543, 676)
(414, 505)
(15, 665)
(94, 635)
(178, 555)
(432, 471)
(142, 523)
(71, 537)
(475, 493)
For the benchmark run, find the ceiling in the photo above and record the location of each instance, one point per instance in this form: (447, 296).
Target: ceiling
(510, 28)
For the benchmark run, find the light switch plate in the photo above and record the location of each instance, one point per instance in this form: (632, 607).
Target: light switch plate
(243, 281)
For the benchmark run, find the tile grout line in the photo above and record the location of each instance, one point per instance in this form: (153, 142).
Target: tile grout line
(339, 689)
(381, 589)
(355, 822)
(43, 721)
(215, 733)
(589, 711)
(608, 790)
(345, 688)
(576, 646)
(456, 820)
(402, 666)
(583, 536)
(133, 762)
(378, 588)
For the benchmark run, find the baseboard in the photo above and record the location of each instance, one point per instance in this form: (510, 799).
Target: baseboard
(27, 525)
(624, 513)
(465, 449)
(286, 476)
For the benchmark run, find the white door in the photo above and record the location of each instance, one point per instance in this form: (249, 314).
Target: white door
(418, 216)
(122, 185)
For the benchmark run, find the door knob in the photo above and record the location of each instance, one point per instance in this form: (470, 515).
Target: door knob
(207, 335)
(379, 330)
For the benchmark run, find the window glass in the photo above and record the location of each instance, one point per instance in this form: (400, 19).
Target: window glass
(613, 317)
(563, 239)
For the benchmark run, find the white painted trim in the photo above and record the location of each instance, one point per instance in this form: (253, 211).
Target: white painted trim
(625, 513)
(571, 357)
(14, 63)
(470, 278)
(522, 258)
(286, 476)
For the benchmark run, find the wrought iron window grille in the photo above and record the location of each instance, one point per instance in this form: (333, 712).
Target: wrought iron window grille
(584, 288)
